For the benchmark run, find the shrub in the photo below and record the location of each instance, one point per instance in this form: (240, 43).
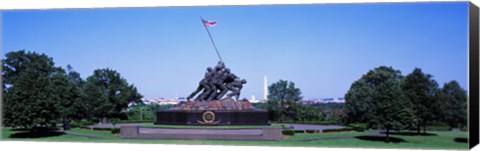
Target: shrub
(358, 127)
(337, 130)
(288, 132)
(314, 122)
(310, 131)
(321, 122)
(134, 121)
(115, 130)
(438, 128)
(299, 131)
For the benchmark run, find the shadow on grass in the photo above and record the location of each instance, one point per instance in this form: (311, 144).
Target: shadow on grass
(410, 134)
(461, 140)
(28, 134)
(380, 139)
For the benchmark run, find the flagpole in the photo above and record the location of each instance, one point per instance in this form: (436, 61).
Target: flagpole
(211, 39)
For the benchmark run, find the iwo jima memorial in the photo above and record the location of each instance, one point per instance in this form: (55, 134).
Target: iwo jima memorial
(215, 101)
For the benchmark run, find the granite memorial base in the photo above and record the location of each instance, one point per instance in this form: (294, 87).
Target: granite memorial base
(220, 112)
(212, 117)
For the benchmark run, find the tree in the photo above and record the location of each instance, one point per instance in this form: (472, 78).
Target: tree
(79, 107)
(64, 97)
(455, 104)
(420, 89)
(30, 99)
(309, 113)
(283, 99)
(377, 100)
(334, 114)
(357, 101)
(145, 111)
(109, 93)
(72, 104)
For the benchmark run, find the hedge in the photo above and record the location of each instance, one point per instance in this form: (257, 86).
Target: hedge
(438, 128)
(134, 121)
(337, 130)
(313, 122)
(310, 131)
(358, 127)
(115, 130)
(288, 132)
(102, 129)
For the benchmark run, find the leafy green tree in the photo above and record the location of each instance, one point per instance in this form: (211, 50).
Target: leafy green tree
(307, 113)
(72, 104)
(109, 94)
(420, 89)
(455, 104)
(261, 105)
(283, 99)
(65, 96)
(145, 111)
(377, 100)
(30, 97)
(80, 107)
(357, 101)
(140, 112)
(334, 114)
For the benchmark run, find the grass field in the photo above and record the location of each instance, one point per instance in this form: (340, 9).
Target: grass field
(436, 140)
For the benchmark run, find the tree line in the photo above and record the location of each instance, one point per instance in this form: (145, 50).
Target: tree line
(36, 93)
(385, 99)
(381, 99)
(284, 105)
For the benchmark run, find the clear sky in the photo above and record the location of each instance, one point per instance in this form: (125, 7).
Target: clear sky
(322, 48)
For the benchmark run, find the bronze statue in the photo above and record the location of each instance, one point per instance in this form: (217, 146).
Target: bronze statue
(216, 83)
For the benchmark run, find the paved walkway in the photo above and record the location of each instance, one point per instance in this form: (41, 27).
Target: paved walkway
(110, 125)
(314, 127)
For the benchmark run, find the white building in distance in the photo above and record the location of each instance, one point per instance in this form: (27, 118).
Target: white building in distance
(163, 101)
(322, 101)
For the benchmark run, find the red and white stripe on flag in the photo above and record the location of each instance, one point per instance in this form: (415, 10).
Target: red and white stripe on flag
(209, 23)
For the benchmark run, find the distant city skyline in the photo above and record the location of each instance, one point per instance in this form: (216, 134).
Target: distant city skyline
(323, 49)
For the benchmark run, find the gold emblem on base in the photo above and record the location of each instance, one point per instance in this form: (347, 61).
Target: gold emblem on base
(208, 117)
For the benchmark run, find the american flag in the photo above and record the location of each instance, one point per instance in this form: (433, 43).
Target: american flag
(209, 23)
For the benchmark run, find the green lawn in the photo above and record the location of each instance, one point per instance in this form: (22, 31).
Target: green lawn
(439, 140)
(98, 133)
(307, 136)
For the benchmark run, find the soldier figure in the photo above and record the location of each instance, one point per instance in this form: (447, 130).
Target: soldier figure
(220, 64)
(236, 86)
(230, 77)
(216, 83)
(221, 83)
(203, 84)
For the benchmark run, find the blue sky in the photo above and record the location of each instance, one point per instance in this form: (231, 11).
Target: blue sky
(322, 48)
